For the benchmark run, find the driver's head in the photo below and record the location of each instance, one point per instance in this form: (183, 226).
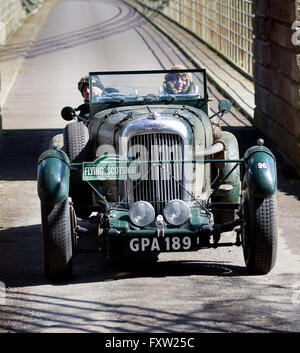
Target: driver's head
(84, 87)
(83, 84)
(178, 82)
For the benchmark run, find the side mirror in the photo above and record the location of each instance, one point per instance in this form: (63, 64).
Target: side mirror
(224, 106)
(68, 113)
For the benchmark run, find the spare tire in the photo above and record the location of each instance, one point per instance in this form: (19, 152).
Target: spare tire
(78, 148)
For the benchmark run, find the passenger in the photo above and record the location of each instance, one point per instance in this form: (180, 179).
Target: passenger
(182, 83)
(178, 83)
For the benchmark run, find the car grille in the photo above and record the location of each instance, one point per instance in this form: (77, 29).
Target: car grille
(160, 182)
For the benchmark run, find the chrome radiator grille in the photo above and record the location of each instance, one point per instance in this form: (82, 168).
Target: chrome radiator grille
(160, 182)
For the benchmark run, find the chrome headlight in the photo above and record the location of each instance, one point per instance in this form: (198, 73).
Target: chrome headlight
(141, 213)
(176, 212)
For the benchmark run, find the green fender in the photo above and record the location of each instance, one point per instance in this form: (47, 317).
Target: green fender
(53, 176)
(260, 171)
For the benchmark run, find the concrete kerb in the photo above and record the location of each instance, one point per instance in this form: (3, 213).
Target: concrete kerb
(10, 69)
(228, 93)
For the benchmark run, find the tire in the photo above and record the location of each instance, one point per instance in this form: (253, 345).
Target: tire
(57, 240)
(78, 149)
(259, 233)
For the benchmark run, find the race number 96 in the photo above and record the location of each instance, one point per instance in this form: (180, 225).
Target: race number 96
(262, 165)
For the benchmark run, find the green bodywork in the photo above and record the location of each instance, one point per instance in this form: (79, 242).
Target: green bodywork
(260, 171)
(53, 176)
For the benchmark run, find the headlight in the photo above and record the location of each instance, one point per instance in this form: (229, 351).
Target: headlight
(141, 213)
(176, 212)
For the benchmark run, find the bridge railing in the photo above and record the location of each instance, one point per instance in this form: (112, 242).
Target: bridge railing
(225, 25)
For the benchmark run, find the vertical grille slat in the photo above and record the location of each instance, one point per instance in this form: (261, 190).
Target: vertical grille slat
(168, 158)
(177, 169)
(158, 187)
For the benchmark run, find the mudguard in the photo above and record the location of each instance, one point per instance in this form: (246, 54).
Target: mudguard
(260, 171)
(53, 176)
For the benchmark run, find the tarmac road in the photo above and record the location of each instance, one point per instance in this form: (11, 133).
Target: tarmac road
(207, 291)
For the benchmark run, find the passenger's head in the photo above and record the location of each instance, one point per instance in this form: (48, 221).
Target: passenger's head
(178, 82)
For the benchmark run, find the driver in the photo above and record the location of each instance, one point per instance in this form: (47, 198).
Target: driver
(178, 83)
(84, 87)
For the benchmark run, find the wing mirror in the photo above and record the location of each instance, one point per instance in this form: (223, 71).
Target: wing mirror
(223, 108)
(68, 113)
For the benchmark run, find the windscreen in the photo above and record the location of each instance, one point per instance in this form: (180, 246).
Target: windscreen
(143, 86)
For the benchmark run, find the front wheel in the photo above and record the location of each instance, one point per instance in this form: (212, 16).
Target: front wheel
(259, 233)
(57, 240)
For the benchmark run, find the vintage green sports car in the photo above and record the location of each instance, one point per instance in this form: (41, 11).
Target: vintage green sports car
(146, 162)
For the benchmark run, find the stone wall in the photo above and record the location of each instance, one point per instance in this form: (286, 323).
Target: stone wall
(277, 74)
(12, 14)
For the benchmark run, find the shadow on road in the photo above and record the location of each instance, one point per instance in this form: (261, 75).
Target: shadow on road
(24, 246)
(62, 314)
(225, 306)
(107, 312)
(20, 150)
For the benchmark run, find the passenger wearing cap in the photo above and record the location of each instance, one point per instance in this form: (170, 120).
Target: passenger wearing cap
(178, 83)
(182, 83)
(84, 88)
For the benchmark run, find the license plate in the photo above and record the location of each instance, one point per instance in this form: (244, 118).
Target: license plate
(163, 244)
